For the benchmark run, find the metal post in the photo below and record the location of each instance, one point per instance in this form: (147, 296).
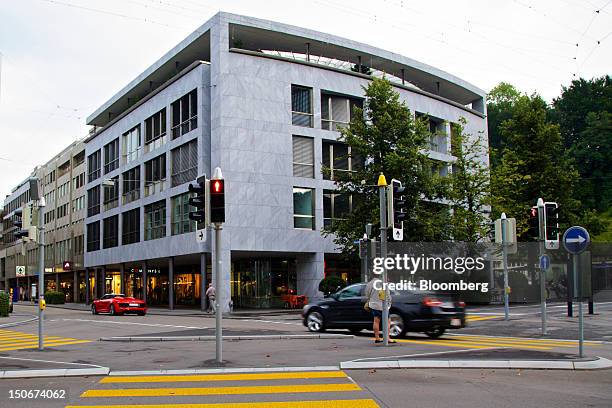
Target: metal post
(75, 286)
(218, 296)
(87, 286)
(41, 275)
(504, 228)
(144, 281)
(578, 295)
(382, 192)
(542, 235)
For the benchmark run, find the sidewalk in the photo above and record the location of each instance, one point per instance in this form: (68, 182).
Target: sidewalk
(158, 311)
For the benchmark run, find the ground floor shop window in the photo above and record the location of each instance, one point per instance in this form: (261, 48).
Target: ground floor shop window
(157, 286)
(263, 282)
(348, 270)
(112, 282)
(65, 286)
(187, 289)
(133, 283)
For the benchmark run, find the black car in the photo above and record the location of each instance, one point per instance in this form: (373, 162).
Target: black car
(410, 312)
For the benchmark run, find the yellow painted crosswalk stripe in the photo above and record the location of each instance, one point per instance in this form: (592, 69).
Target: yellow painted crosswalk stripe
(521, 340)
(225, 377)
(36, 345)
(474, 318)
(259, 389)
(469, 344)
(356, 403)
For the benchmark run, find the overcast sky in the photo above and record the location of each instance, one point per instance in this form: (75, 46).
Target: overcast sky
(61, 59)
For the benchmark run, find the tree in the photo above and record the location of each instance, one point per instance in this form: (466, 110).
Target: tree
(533, 163)
(468, 191)
(500, 103)
(575, 103)
(389, 140)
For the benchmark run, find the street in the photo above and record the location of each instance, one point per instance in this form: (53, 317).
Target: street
(132, 345)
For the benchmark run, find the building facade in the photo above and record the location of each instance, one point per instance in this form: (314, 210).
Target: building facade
(263, 101)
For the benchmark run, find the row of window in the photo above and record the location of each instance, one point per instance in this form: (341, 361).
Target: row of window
(335, 206)
(183, 169)
(337, 156)
(184, 119)
(154, 224)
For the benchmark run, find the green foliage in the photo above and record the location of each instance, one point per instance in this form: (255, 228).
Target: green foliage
(500, 102)
(331, 284)
(386, 133)
(468, 185)
(4, 304)
(55, 298)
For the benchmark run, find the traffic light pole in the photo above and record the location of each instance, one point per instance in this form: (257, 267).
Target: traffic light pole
(382, 192)
(218, 295)
(504, 228)
(542, 237)
(41, 274)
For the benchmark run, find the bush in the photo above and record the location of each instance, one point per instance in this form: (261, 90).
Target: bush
(55, 298)
(4, 304)
(331, 284)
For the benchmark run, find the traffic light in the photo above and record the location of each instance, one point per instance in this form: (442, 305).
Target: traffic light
(396, 204)
(217, 201)
(198, 201)
(551, 225)
(534, 223)
(23, 223)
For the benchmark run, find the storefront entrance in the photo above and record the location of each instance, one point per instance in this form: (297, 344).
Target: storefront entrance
(262, 282)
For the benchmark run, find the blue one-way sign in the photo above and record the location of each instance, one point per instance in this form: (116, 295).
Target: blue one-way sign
(544, 262)
(576, 239)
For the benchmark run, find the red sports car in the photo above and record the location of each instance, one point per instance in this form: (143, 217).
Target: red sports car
(118, 304)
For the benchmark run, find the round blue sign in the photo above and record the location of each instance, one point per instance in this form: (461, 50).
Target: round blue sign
(576, 239)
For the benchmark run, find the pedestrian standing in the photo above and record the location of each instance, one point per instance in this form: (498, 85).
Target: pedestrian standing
(210, 296)
(374, 302)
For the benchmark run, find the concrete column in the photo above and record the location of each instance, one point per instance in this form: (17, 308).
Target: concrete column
(203, 283)
(87, 288)
(57, 282)
(122, 277)
(103, 285)
(310, 271)
(75, 287)
(171, 283)
(144, 281)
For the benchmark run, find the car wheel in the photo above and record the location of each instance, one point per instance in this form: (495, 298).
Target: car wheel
(315, 322)
(93, 310)
(111, 310)
(435, 333)
(396, 325)
(141, 313)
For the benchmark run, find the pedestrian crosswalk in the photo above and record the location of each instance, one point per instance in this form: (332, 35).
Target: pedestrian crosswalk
(281, 389)
(15, 340)
(485, 342)
(479, 317)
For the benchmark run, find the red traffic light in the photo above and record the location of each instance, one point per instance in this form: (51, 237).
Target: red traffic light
(217, 186)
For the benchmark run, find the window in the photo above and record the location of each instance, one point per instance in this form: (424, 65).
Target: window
(78, 158)
(93, 166)
(93, 201)
(155, 220)
(131, 144)
(155, 131)
(93, 236)
(62, 210)
(111, 231)
(131, 185)
(303, 156)
(78, 245)
(63, 189)
(303, 208)
(437, 128)
(78, 203)
(338, 157)
(335, 206)
(111, 156)
(49, 216)
(131, 226)
(455, 139)
(78, 181)
(301, 106)
(181, 223)
(337, 111)
(111, 194)
(155, 174)
(185, 114)
(185, 163)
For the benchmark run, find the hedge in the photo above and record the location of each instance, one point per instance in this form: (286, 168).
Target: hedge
(331, 284)
(55, 298)
(4, 304)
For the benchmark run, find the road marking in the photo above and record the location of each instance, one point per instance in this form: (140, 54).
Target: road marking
(257, 389)
(14, 340)
(134, 323)
(225, 377)
(445, 342)
(552, 342)
(51, 361)
(271, 321)
(356, 403)
(473, 318)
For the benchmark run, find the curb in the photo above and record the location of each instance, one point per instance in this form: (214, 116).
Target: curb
(231, 338)
(599, 363)
(22, 322)
(224, 370)
(59, 372)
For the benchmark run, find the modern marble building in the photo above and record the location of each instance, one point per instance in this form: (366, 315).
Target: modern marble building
(262, 101)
